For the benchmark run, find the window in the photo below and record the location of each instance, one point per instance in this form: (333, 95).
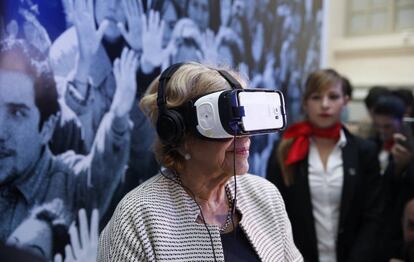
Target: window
(367, 17)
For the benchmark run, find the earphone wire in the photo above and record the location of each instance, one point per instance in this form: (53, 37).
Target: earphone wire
(234, 202)
(199, 207)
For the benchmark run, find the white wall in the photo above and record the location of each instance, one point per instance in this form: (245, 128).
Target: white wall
(367, 60)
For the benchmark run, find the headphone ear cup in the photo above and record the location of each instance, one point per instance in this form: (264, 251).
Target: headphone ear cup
(171, 127)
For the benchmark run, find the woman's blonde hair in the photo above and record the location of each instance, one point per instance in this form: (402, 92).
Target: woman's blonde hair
(190, 81)
(317, 81)
(320, 80)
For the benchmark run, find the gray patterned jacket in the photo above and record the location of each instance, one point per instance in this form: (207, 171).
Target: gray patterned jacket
(157, 222)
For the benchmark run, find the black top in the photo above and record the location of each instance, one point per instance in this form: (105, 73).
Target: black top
(236, 247)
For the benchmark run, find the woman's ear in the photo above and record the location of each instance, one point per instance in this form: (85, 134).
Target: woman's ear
(346, 99)
(183, 150)
(304, 108)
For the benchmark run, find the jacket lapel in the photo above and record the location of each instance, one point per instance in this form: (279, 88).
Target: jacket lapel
(350, 163)
(307, 209)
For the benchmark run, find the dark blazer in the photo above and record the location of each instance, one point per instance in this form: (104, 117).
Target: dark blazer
(360, 209)
(398, 190)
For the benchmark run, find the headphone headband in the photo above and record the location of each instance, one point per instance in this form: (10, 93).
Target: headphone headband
(164, 78)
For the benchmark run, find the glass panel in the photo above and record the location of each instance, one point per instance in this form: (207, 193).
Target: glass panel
(359, 5)
(379, 22)
(404, 2)
(359, 24)
(405, 19)
(379, 3)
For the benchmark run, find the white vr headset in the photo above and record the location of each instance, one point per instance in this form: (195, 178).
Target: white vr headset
(222, 114)
(238, 112)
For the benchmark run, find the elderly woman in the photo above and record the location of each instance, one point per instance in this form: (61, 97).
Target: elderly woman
(188, 212)
(329, 178)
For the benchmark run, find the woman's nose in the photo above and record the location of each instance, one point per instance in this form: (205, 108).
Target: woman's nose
(325, 101)
(244, 140)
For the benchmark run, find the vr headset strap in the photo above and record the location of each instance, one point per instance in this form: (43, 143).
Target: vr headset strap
(234, 84)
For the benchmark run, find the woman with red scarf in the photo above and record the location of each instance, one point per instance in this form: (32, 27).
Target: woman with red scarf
(329, 178)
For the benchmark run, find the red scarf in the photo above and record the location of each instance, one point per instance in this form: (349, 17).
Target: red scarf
(387, 145)
(301, 132)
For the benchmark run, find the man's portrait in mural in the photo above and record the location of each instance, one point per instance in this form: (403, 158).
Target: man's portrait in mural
(73, 151)
(30, 174)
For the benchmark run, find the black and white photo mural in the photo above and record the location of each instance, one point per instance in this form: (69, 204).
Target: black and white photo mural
(73, 140)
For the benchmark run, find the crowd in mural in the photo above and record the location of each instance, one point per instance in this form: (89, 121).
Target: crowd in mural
(87, 47)
(74, 141)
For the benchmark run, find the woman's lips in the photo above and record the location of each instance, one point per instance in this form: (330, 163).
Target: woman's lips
(325, 115)
(240, 151)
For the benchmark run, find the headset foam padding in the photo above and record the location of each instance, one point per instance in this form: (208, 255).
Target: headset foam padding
(171, 127)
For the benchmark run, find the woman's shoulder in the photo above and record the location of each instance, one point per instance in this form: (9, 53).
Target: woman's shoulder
(148, 195)
(256, 185)
(135, 214)
(256, 193)
(253, 179)
(150, 186)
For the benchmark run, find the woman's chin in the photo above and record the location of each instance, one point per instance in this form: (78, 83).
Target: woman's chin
(242, 169)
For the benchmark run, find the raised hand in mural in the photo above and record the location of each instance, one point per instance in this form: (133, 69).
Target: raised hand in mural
(84, 244)
(124, 70)
(152, 32)
(244, 70)
(209, 46)
(238, 8)
(269, 77)
(228, 34)
(225, 12)
(12, 29)
(133, 11)
(89, 39)
(266, 79)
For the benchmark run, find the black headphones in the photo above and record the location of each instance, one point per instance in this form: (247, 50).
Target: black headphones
(171, 125)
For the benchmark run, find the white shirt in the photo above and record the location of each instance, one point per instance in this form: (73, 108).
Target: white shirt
(383, 158)
(326, 190)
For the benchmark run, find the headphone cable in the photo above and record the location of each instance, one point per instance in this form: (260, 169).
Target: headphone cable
(234, 202)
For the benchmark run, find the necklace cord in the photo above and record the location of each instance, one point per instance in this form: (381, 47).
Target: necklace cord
(199, 207)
